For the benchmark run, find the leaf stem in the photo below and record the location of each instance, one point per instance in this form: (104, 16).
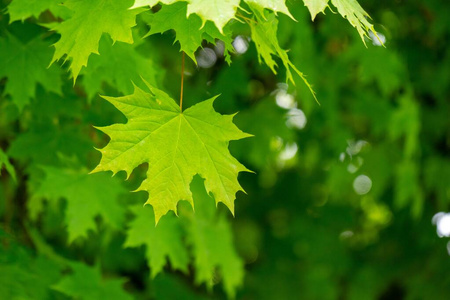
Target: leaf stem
(182, 81)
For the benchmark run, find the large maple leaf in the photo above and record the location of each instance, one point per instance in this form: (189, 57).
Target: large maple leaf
(177, 145)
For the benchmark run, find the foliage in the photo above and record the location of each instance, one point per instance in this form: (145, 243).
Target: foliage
(342, 194)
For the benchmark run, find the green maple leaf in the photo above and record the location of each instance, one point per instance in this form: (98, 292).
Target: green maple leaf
(220, 12)
(80, 34)
(316, 6)
(189, 30)
(264, 34)
(217, 11)
(349, 9)
(212, 34)
(163, 242)
(4, 161)
(275, 5)
(87, 197)
(86, 282)
(356, 15)
(269, 129)
(109, 67)
(25, 65)
(212, 254)
(177, 145)
(151, 3)
(23, 9)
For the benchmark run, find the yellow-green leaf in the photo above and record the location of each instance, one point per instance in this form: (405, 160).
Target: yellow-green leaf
(177, 145)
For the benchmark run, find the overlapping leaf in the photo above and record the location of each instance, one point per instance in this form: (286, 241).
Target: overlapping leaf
(177, 145)
(87, 197)
(163, 242)
(25, 65)
(349, 9)
(275, 5)
(86, 282)
(356, 15)
(80, 34)
(189, 30)
(213, 255)
(109, 67)
(220, 12)
(264, 34)
(23, 9)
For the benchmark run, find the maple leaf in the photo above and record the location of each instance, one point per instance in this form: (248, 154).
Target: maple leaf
(109, 67)
(80, 34)
(212, 254)
(212, 34)
(163, 242)
(151, 3)
(315, 7)
(270, 126)
(23, 9)
(275, 5)
(264, 34)
(217, 11)
(25, 65)
(220, 12)
(87, 197)
(189, 30)
(177, 145)
(86, 282)
(356, 15)
(349, 9)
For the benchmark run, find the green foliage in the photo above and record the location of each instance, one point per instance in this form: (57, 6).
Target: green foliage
(87, 283)
(345, 196)
(87, 197)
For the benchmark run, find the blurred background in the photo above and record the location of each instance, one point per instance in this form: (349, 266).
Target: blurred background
(350, 198)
